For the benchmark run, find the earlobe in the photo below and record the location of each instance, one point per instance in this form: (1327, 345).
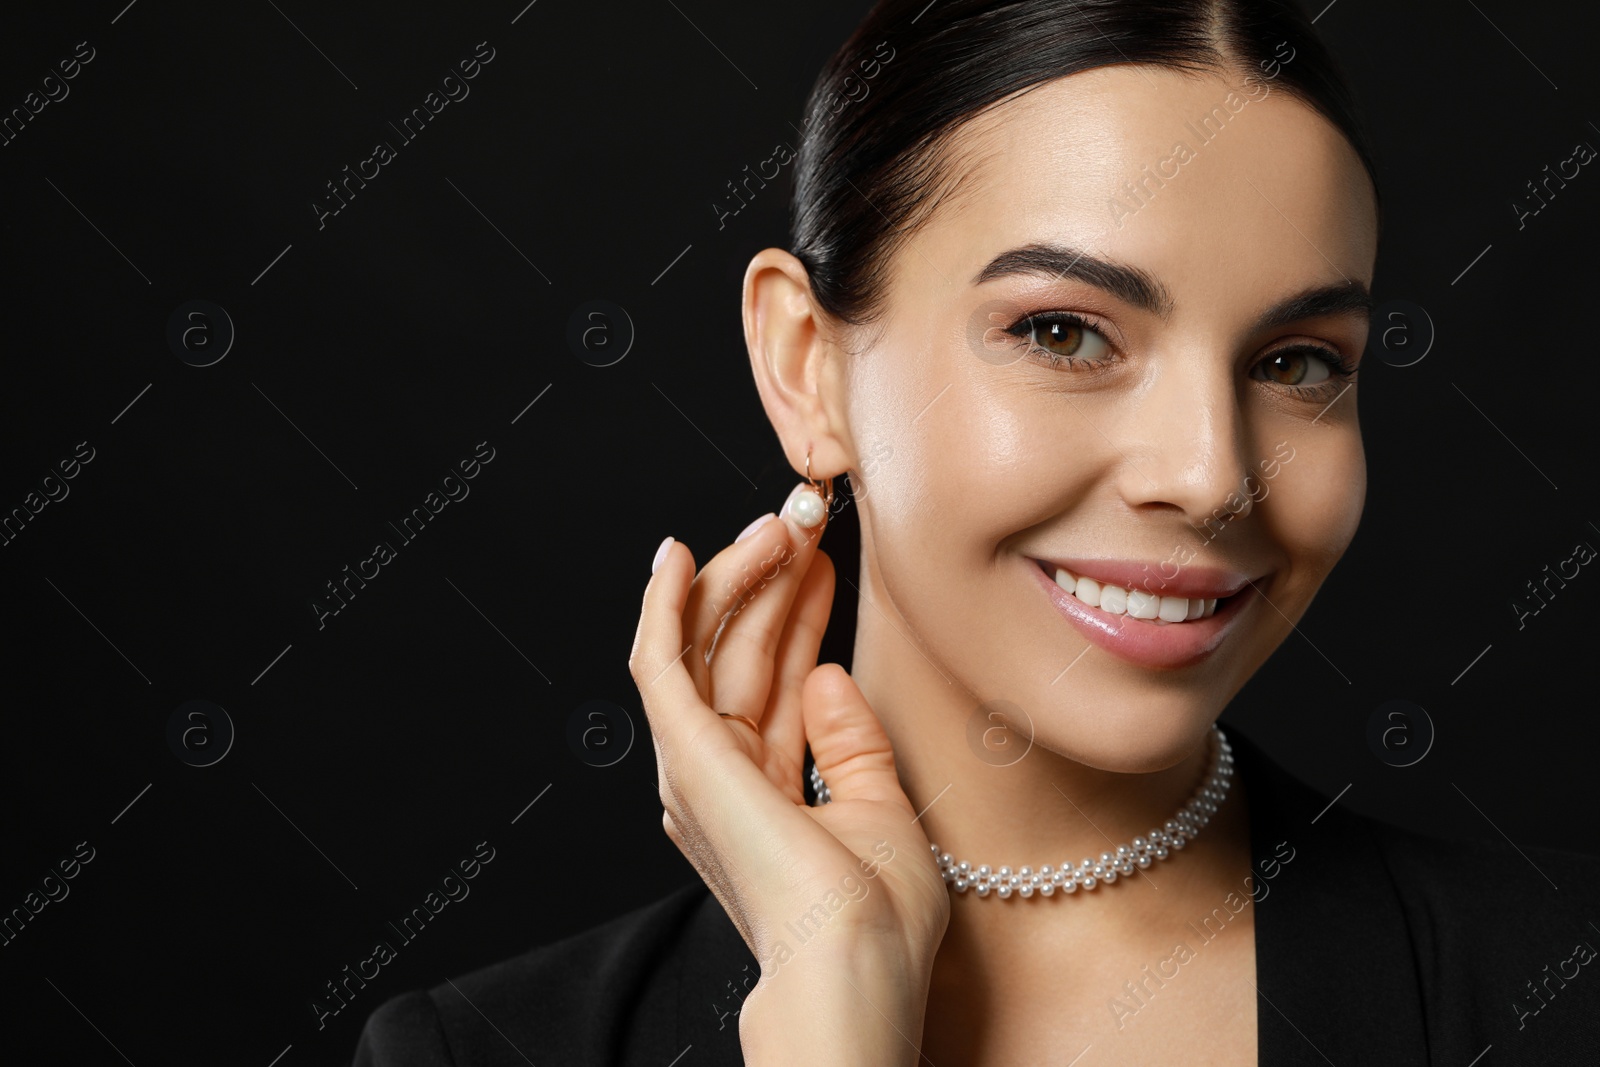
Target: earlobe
(791, 356)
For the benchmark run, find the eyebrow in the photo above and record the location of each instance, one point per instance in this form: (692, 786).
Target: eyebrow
(1142, 290)
(1348, 297)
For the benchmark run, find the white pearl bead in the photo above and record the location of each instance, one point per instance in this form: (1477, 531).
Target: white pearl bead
(806, 508)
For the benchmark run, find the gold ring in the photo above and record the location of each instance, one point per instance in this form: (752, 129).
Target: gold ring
(742, 718)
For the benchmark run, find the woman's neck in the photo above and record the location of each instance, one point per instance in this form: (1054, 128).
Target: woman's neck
(988, 792)
(1017, 803)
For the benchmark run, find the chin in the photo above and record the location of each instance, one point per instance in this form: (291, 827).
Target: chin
(1159, 735)
(1110, 708)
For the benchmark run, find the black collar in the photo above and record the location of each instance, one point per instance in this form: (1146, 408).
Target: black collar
(1336, 974)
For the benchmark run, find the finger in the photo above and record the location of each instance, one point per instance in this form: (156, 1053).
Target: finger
(723, 590)
(747, 634)
(783, 725)
(732, 580)
(726, 814)
(710, 596)
(852, 751)
(672, 704)
(704, 766)
(688, 736)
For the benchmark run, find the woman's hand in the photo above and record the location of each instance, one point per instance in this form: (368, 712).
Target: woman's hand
(856, 876)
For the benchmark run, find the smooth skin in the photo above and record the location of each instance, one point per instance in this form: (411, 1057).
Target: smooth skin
(980, 462)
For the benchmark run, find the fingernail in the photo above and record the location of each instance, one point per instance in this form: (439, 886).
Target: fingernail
(804, 506)
(661, 554)
(754, 526)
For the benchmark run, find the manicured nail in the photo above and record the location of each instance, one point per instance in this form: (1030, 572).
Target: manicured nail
(804, 506)
(754, 526)
(661, 554)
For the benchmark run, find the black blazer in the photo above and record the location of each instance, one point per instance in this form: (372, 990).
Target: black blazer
(1374, 945)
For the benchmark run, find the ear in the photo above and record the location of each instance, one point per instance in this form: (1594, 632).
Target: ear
(797, 364)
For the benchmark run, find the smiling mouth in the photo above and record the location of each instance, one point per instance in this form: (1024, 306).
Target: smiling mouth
(1134, 603)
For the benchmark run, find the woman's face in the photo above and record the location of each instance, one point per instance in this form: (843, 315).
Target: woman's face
(1195, 438)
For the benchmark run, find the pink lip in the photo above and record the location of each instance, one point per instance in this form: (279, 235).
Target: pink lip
(1147, 642)
(1191, 581)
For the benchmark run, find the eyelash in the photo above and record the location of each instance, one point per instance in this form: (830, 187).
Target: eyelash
(1340, 370)
(1023, 327)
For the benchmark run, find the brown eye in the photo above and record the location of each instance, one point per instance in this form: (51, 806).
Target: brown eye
(1296, 366)
(1061, 336)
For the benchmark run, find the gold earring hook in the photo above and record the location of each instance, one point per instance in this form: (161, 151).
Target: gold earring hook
(823, 489)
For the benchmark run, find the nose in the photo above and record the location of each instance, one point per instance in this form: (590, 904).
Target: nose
(1185, 446)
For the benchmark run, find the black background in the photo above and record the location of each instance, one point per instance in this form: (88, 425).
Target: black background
(376, 352)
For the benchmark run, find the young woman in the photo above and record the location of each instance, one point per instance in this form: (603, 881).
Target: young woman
(1076, 297)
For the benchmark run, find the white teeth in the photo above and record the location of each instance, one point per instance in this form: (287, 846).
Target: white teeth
(1135, 602)
(1174, 608)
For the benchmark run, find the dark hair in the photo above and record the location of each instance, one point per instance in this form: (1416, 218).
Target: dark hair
(870, 169)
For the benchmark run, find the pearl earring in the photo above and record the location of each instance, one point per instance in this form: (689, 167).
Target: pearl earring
(810, 506)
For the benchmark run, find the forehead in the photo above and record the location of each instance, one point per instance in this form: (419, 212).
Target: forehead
(1211, 185)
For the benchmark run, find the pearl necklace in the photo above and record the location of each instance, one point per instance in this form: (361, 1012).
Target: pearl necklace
(1069, 878)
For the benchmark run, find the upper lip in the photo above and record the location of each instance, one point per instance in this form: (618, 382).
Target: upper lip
(1191, 581)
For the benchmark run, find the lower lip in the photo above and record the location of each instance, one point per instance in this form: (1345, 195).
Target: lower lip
(1147, 642)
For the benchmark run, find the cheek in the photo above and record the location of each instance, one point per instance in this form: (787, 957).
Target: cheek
(1317, 500)
(977, 466)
